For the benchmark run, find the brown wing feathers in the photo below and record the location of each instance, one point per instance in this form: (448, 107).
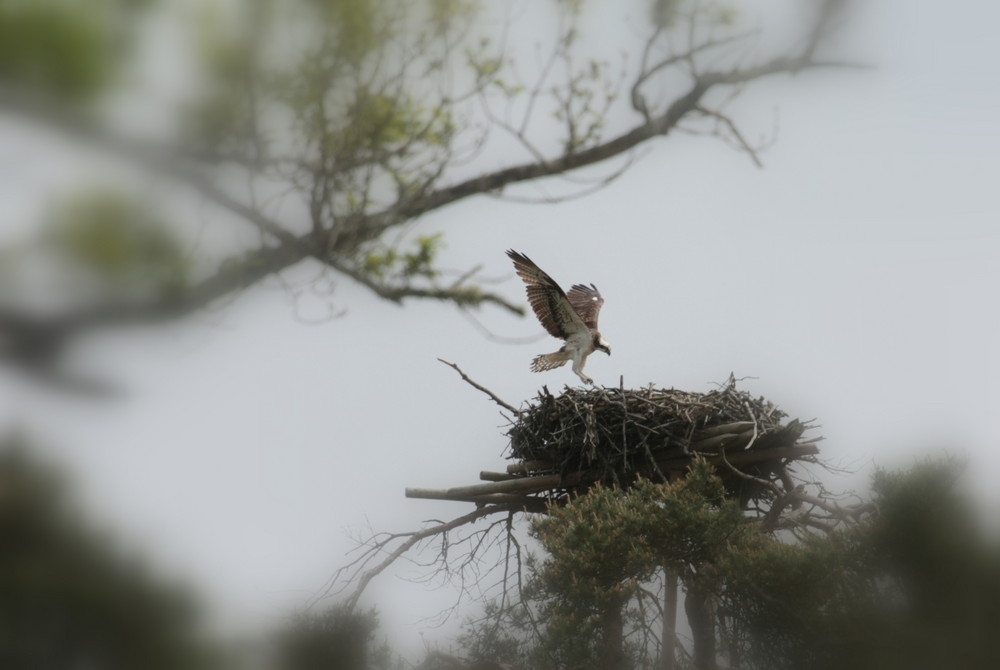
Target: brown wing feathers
(544, 294)
(561, 314)
(587, 301)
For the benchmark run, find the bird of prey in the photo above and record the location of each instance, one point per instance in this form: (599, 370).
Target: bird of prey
(569, 316)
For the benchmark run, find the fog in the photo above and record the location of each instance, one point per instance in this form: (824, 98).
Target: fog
(852, 280)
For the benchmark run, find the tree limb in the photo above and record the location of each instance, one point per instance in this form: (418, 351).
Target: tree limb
(32, 338)
(338, 236)
(656, 126)
(510, 408)
(357, 571)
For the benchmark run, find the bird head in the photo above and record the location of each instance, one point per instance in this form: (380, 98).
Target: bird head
(602, 345)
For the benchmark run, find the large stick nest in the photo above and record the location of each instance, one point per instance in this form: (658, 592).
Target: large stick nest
(616, 435)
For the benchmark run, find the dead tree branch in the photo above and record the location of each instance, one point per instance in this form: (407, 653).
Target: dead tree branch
(507, 406)
(363, 569)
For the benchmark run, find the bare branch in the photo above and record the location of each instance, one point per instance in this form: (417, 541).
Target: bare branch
(638, 101)
(495, 182)
(360, 574)
(734, 131)
(507, 406)
(157, 159)
(462, 296)
(30, 336)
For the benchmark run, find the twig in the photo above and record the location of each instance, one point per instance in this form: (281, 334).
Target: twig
(734, 131)
(355, 572)
(510, 408)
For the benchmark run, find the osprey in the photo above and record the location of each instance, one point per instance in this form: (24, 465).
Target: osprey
(569, 316)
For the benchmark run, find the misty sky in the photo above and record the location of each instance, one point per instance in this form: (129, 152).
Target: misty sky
(853, 280)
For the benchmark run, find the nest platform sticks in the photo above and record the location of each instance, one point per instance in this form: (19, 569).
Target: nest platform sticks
(563, 444)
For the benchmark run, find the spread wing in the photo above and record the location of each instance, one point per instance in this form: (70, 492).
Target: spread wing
(550, 304)
(587, 301)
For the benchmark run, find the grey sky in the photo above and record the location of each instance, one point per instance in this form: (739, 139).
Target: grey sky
(855, 278)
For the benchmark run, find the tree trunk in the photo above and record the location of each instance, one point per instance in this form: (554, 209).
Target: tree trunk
(698, 606)
(612, 625)
(669, 631)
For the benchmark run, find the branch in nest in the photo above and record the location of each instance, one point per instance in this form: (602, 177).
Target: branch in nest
(507, 406)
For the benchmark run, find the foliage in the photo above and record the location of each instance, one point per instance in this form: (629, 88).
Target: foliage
(605, 554)
(798, 605)
(327, 126)
(68, 599)
(55, 47)
(501, 636)
(390, 262)
(605, 549)
(119, 244)
(916, 585)
(334, 639)
(685, 525)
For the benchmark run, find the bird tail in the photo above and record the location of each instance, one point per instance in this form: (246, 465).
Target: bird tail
(549, 361)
